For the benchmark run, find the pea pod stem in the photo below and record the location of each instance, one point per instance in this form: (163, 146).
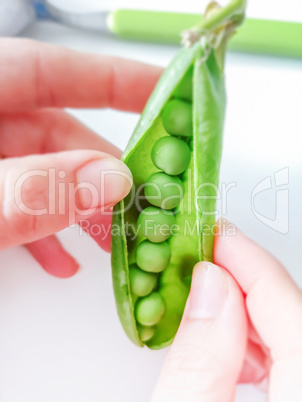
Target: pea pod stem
(217, 22)
(233, 11)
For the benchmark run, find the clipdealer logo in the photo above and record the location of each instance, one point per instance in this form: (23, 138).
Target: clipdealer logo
(278, 184)
(61, 197)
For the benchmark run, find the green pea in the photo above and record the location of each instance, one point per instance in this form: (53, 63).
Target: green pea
(155, 224)
(184, 90)
(145, 333)
(150, 309)
(153, 257)
(177, 118)
(141, 282)
(164, 191)
(172, 155)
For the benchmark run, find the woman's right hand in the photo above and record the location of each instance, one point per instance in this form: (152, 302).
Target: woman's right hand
(242, 323)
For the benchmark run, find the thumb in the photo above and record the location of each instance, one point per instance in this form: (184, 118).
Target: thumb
(206, 357)
(43, 194)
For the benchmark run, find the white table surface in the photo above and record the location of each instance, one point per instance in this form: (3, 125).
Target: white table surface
(60, 340)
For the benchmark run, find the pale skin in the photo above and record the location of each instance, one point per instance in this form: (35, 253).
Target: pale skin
(37, 81)
(242, 321)
(251, 332)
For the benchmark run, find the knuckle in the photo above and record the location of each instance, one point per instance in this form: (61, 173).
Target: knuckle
(33, 55)
(21, 224)
(22, 203)
(44, 95)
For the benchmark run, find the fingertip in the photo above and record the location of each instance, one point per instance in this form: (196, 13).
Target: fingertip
(70, 269)
(64, 267)
(228, 243)
(53, 258)
(204, 269)
(225, 228)
(256, 364)
(208, 291)
(263, 385)
(105, 182)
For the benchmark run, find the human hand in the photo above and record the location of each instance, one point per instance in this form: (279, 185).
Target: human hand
(51, 166)
(242, 323)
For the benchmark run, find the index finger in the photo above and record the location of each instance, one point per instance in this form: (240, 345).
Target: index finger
(273, 300)
(274, 303)
(36, 75)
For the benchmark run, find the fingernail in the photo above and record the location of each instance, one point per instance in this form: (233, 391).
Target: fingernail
(103, 182)
(208, 291)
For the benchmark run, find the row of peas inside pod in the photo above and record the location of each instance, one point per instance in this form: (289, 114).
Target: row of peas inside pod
(164, 191)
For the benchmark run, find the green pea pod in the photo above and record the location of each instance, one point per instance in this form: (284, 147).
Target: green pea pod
(185, 111)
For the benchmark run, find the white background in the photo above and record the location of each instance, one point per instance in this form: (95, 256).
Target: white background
(60, 340)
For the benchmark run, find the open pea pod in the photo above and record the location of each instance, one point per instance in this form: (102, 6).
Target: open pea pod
(165, 225)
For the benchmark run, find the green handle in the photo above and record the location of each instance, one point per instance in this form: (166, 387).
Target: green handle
(254, 36)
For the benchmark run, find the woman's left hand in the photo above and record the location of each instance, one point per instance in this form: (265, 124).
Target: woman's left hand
(51, 163)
